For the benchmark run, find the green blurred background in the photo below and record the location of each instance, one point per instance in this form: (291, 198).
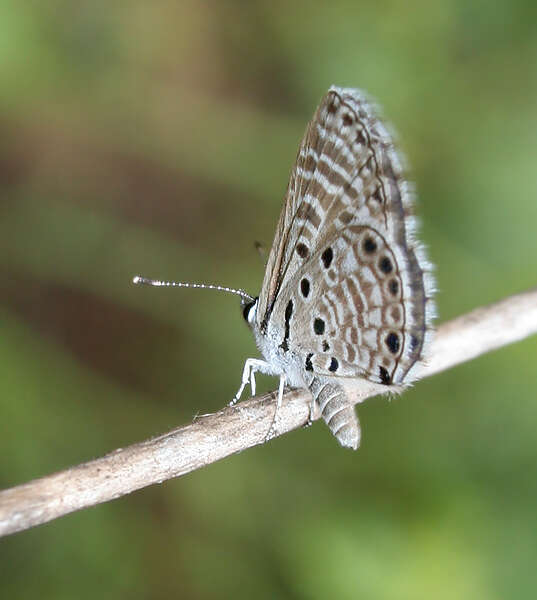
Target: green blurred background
(157, 138)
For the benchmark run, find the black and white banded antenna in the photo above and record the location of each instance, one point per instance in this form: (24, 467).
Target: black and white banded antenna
(139, 280)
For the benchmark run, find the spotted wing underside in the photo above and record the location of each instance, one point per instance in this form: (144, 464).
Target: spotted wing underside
(345, 247)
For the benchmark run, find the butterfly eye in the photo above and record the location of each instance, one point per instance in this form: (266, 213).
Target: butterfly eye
(249, 310)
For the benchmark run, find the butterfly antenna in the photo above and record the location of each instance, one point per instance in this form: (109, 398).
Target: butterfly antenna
(139, 280)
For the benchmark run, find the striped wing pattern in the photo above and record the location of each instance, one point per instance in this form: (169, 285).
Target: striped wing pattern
(347, 284)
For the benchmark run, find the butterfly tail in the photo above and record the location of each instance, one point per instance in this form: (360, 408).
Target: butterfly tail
(338, 413)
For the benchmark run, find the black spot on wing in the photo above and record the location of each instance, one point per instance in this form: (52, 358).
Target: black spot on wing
(288, 314)
(393, 343)
(318, 326)
(327, 257)
(385, 265)
(302, 250)
(384, 376)
(369, 245)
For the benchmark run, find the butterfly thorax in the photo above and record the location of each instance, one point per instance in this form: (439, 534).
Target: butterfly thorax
(280, 359)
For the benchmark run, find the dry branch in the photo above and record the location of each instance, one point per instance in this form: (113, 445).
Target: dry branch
(231, 430)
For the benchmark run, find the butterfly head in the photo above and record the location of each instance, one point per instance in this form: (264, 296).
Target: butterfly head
(249, 309)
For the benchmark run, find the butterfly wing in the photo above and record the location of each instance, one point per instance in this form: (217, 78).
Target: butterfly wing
(345, 248)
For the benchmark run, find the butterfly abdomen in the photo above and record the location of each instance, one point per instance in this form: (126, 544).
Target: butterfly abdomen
(337, 412)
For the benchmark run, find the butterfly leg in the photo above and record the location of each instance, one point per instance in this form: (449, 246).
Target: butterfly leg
(272, 430)
(280, 391)
(309, 422)
(251, 367)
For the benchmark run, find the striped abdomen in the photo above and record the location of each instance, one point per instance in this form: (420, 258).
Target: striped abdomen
(337, 412)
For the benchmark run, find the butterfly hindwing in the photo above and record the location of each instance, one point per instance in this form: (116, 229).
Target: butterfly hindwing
(344, 251)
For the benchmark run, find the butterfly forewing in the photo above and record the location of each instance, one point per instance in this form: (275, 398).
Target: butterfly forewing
(344, 254)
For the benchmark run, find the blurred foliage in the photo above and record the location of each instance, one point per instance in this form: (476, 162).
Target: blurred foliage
(157, 138)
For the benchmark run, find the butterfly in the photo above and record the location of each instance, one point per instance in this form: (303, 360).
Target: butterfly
(348, 290)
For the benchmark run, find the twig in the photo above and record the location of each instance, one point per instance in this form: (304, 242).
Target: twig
(212, 437)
